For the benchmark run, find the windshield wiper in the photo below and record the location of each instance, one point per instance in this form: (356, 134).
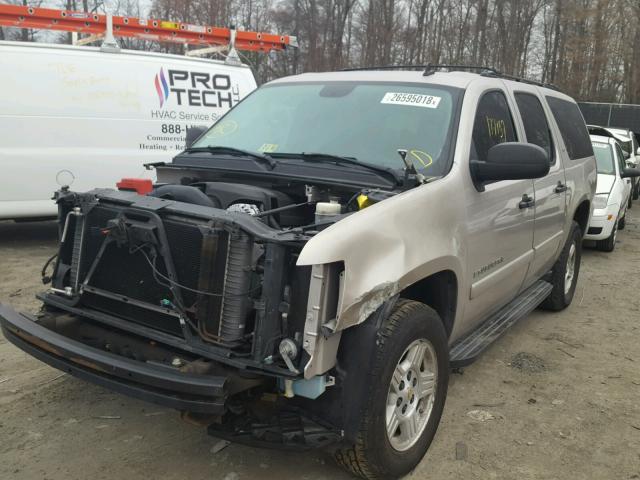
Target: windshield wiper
(338, 159)
(261, 157)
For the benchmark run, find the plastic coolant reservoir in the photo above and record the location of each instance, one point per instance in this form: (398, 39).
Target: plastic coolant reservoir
(327, 210)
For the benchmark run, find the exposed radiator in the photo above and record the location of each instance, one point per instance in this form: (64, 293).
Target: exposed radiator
(216, 261)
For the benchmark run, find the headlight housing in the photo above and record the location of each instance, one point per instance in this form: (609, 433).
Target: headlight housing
(600, 201)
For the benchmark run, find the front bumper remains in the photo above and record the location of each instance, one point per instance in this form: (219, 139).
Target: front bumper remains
(601, 223)
(145, 381)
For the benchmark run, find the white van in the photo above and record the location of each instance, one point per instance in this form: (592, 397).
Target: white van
(87, 117)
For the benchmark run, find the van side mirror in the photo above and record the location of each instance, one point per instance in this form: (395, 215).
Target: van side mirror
(193, 133)
(510, 161)
(630, 172)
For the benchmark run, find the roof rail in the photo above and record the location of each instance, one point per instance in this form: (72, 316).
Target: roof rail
(431, 68)
(385, 67)
(487, 72)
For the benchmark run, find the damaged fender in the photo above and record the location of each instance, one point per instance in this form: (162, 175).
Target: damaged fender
(384, 248)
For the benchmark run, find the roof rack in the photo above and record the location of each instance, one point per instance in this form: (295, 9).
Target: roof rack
(431, 68)
(106, 27)
(385, 67)
(487, 72)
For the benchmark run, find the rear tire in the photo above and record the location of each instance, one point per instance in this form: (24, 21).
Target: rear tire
(400, 417)
(608, 244)
(622, 222)
(635, 190)
(564, 275)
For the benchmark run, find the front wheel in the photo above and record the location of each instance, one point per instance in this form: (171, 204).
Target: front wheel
(608, 244)
(564, 275)
(407, 389)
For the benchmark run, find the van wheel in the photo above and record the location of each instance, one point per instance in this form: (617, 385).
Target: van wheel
(408, 382)
(635, 190)
(564, 275)
(622, 222)
(608, 244)
(630, 202)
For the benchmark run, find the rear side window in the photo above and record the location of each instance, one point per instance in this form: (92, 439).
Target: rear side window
(493, 124)
(535, 122)
(572, 127)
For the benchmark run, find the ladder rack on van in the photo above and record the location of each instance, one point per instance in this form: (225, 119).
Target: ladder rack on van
(108, 26)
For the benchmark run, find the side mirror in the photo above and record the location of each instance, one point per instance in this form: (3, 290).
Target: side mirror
(193, 133)
(630, 172)
(510, 161)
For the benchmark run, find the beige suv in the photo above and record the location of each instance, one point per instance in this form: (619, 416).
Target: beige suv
(306, 273)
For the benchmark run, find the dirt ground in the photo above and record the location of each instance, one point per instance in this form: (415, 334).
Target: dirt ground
(556, 398)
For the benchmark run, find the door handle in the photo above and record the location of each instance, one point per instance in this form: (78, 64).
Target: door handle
(526, 202)
(561, 187)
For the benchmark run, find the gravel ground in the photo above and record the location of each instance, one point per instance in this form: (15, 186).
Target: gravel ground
(556, 397)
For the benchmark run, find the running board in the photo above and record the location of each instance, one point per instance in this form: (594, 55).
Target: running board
(467, 349)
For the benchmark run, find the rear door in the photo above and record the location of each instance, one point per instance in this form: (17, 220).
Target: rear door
(550, 191)
(500, 229)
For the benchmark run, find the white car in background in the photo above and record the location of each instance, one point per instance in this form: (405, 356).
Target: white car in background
(630, 149)
(612, 192)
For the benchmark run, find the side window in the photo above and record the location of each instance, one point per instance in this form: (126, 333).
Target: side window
(572, 127)
(493, 124)
(535, 122)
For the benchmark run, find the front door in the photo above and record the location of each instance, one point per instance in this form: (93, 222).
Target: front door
(500, 230)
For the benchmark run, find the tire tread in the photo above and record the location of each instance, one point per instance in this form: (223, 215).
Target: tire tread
(556, 300)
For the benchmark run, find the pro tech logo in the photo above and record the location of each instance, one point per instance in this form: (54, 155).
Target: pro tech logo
(162, 88)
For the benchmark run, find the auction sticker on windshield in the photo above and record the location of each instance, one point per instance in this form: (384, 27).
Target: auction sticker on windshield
(411, 99)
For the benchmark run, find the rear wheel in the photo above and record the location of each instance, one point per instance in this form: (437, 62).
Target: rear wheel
(608, 244)
(564, 275)
(407, 388)
(622, 222)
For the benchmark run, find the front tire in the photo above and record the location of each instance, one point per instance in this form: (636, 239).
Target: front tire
(407, 389)
(608, 244)
(564, 275)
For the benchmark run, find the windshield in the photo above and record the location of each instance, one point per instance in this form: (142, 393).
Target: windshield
(604, 158)
(369, 122)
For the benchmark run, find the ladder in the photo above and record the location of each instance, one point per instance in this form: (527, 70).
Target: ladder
(108, 26)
